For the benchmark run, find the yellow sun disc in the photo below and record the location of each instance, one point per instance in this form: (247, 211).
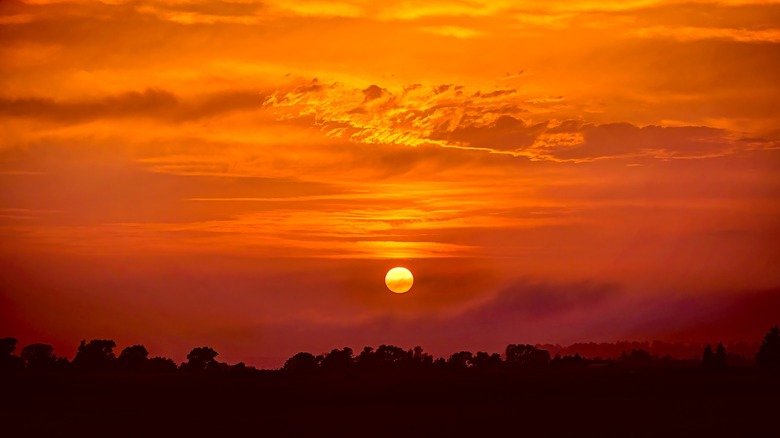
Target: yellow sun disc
(399, 280)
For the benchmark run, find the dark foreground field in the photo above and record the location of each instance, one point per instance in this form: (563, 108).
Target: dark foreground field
(677, 402)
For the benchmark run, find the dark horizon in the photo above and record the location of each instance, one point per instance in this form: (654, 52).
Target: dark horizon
(740, 354)
(389, 391)
(246, 173)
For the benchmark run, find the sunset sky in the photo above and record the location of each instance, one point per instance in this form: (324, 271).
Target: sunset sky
(242, 174)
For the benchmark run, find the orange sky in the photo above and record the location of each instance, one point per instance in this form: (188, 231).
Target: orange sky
(242, 174)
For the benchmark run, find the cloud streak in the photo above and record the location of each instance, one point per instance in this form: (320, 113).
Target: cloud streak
(150, 103)
(704, 33)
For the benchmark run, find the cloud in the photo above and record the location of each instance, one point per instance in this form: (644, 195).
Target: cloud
(729, 315)
(687, 33)
(207, 12)
(505, 134)
(374, 92)
(415, 115)
(437, 116)
(88, 184)
(625, 139)
(146, 103)
(321, 8)
(499, 121)
(528, 301)
(150, 103)
(452, 31)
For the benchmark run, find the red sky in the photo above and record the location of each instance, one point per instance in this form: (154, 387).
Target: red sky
(241, 174)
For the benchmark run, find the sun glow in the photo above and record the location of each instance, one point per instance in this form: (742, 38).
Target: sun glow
(399, 280)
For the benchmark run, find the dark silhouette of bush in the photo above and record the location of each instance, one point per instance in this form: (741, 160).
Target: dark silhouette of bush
(241, 369)
(485, 361)
(202, 359)
(301, 363)
(526, 355)
(460, 360)
(707, 357)
(39, 357)
(637, 358)
(7, 347)
(721, 358)
(97, 355)
(7, 360)
(134, 358)
(569, 360)
(389, 355)
(419, 359)
(161, 365)
(388, 361)
(768, 356)
(391, 358)
(367, 360)
(714, 361)
(384, 357)
(337, 361)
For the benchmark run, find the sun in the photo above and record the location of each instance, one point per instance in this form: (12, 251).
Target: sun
(399, 280)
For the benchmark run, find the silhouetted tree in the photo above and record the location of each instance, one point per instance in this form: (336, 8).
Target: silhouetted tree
(483, 360)
(721, 359)
(708, 358)
(7, 360)
(39, 357)
(240, 369)
(390, 355)
(419, 358)
(161, 365)
(569, 360)
(202, 359)
(714, 361)
(460, 360)
(387, 357)
(134, 358)
(637, 358)
(367, 359)
(737, 360)
(526, 355)
(301, 363)
(768, 355)
(337, 360)
(97, 355)
(7, 347)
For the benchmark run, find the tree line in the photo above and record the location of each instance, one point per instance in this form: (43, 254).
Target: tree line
(98, 355)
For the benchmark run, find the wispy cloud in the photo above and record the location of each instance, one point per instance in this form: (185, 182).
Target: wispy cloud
(683, 33)
(150, 103)
(452, 31)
